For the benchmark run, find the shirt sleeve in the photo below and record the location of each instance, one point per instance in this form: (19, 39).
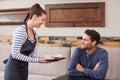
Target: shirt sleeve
(19, 37)
(73, 62)
(34, 53)
(100, 73)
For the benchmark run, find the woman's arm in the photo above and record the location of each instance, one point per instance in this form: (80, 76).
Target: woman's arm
(19, 37)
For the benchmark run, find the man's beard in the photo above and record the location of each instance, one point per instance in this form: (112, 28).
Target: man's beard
(86, 48)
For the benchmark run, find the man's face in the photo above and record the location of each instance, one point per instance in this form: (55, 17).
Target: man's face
(86, 42)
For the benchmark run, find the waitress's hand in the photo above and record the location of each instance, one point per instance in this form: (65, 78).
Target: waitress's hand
(42, 60)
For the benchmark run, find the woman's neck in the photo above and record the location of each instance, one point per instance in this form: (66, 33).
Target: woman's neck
(30, 30)
(29, 25)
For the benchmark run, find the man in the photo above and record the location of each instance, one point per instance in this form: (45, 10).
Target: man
(89, 60)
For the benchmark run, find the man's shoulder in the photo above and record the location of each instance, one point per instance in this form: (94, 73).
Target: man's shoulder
(102, 50)
(79, 48)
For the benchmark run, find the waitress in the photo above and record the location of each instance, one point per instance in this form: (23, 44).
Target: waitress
(24, 45)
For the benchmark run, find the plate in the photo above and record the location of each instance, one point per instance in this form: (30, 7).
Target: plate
(58, 56)
(49, 59)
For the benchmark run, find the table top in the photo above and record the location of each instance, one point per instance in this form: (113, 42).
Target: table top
(66, 77)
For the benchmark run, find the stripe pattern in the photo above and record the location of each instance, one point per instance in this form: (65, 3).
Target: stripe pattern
(19, 37)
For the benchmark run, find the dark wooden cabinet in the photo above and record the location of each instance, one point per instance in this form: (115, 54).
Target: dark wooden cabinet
(75, 15)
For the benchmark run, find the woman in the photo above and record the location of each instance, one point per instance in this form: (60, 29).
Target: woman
(24, 45)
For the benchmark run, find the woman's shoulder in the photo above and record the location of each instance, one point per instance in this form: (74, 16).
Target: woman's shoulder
(20, 29)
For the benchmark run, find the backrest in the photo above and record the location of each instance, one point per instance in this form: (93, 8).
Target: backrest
(114, 63)
(4, 54)
(51, 69)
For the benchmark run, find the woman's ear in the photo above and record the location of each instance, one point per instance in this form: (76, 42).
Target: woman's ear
(34, 17)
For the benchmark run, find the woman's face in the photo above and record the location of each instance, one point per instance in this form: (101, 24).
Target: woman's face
(38, 21)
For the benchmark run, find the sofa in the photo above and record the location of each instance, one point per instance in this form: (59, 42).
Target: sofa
(40, 71)
(49, 71)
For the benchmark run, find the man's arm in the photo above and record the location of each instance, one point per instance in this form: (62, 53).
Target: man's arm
(73, 62)
(81, 68)
(100, 69)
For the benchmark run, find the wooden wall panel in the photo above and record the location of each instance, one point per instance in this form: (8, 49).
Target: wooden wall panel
(13, 16)
(76, 15)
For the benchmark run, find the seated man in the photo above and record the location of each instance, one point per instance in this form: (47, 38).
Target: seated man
(89, 60)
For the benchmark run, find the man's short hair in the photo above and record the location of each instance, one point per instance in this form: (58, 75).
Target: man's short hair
(94, 35)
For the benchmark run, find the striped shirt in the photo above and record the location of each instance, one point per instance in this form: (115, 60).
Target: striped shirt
(19, 37)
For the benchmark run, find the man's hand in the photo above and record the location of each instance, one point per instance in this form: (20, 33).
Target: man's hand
(79, 68)
(96, 66)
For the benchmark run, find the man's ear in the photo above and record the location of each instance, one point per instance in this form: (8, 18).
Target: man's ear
(94, 42)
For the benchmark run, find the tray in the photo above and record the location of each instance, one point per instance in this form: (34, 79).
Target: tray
(55, 59)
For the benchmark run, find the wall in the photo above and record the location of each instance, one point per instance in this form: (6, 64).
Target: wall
(112, 18)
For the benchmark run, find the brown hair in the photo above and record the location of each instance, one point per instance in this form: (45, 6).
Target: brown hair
(34, 10)
(94, 35)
